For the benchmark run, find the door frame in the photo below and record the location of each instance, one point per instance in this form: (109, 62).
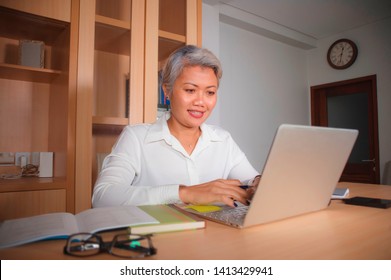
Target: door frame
(319, 117)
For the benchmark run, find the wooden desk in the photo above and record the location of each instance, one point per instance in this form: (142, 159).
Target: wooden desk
(339, 232)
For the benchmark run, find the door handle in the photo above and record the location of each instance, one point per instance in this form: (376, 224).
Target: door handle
(368, 160)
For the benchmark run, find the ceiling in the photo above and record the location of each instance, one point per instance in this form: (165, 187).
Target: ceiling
(314, 18)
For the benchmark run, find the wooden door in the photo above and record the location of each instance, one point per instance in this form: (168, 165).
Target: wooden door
(352, 104)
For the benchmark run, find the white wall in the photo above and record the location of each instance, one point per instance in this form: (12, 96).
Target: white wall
(267, 82)
(264, 85)
(211, 41)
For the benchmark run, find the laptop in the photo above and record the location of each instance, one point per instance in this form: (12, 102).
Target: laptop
(300, 175)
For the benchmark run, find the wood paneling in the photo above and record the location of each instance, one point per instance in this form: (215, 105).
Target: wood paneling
(21, 204)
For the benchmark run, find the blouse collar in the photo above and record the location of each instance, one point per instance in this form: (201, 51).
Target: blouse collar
(159, 131)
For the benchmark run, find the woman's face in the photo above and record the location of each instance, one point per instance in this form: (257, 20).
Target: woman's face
(193, 97)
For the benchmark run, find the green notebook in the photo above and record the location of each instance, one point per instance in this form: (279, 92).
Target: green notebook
(170, 219)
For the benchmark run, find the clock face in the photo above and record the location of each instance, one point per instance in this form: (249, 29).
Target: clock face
(342, 54)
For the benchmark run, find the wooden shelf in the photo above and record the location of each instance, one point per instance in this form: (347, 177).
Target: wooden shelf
(97, 120)
(172, 36)
(26, 73)
(31, 184)
(112, 22)
(108, 125)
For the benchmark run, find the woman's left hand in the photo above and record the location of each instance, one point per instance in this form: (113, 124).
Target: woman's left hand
(222, 190)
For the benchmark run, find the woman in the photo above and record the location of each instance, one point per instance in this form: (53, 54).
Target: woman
(178, 159)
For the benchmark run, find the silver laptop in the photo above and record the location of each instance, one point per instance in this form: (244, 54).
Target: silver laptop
(301, 172)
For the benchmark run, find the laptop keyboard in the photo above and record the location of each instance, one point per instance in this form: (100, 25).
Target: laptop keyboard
(229, 215)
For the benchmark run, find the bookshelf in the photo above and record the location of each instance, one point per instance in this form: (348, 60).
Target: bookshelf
(100, 74)
(119, 45)
(36, 105)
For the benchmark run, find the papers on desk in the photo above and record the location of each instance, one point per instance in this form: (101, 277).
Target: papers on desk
(340, 193)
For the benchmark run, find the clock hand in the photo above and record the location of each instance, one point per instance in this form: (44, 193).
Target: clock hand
(340, 56)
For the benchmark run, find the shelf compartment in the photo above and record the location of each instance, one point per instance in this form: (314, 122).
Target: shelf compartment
(112, 35)
(167, 46)
(118, 9)
(172, 16)
(16, 25)
(111, 72)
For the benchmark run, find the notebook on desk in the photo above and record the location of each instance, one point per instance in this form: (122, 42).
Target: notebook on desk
(301, 172)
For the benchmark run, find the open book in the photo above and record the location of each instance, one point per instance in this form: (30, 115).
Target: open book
(60, 225)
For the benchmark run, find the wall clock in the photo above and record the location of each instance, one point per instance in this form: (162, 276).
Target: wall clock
(342, 54)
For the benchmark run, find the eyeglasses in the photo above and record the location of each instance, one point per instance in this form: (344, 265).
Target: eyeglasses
(122, 245)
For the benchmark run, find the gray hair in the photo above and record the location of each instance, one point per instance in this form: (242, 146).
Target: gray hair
(185, 57)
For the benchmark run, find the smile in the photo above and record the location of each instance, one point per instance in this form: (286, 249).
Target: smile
(196, 114)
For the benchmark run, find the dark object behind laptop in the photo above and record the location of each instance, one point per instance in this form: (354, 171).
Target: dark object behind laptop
(368, 201)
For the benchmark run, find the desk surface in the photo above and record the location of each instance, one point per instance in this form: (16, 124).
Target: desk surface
(338, 232)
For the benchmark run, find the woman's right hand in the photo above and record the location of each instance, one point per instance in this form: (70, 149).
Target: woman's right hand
(221, 190)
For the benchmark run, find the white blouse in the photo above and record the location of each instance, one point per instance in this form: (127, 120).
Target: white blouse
(147, 165)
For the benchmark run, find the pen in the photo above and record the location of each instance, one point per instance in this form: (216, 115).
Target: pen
(245, 187)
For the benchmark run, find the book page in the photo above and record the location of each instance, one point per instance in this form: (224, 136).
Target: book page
(98, 219)
(24, 230)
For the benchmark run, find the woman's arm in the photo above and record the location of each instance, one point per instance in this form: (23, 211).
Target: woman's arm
(115, 183)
